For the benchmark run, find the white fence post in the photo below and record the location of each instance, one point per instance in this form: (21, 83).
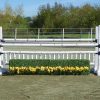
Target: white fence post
(91, 32)
(38, 33)
(98, 70)
(63, 33)
(1, 48)
(15, 33)
(96, 49)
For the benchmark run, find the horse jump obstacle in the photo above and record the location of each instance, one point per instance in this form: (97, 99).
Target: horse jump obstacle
(95, 44)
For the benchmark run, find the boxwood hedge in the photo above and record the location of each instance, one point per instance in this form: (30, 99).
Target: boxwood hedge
(53, 63)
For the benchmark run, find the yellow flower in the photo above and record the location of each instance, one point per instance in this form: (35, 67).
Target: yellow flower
(34, 69)
(18, 71)
(42, 68)
(86, 68)
(72, 68)
(48, 70)
(77, 68)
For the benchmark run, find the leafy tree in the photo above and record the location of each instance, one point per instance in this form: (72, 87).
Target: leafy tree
(59, 16)
(10, 18)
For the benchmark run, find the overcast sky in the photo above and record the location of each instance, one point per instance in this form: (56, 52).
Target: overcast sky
(31, 6)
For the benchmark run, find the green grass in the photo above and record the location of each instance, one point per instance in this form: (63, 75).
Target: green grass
(50, 87)
(71, 35)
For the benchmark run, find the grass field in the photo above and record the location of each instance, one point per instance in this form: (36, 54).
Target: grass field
(50, 87)
(46, 36)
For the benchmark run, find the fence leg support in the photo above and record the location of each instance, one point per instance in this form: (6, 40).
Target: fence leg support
(1, 48)
(97, 50)
(98, 72)
(98, 69)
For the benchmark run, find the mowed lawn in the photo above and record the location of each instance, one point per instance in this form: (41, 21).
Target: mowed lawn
(36, 87)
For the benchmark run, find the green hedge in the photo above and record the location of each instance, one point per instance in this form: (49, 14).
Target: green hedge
(53, 63)
(15, 66)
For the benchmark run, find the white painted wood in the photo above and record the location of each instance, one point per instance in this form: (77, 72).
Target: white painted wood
(36, 56)
(1, 32)
(15, 34)
(63, 55)
(89, 56)
(91, 32)
(38, 33)
(49, 56)
(85, 56)
(96, 49)
(40, 56)
(58, 56)
(98, 70)
(71, 55)
(32, 56)
(28, 56)
(23, 56)
(19, 56)
(67, 55)
(54, 57)
(80, 56)
(1, 48)
(49, 52)
(10, 56)
(49, 40)
(44, 56)
(76, 55)
(14, 55)
(53, 44)
(63, 33)
(6, 58)
(94, 59)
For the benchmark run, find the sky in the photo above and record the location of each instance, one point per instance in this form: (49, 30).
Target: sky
(31, 7)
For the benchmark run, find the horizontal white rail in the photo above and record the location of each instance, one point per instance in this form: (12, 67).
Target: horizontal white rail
(30, 52)
(50, 40)
(53, 44)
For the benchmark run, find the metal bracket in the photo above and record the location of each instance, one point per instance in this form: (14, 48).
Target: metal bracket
(1, 53)
(98, 53)
(2, 40)
(1, 45)
(98, 45)
(95, 40)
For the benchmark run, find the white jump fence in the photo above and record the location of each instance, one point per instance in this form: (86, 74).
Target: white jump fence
(49, 55)
(93, 56)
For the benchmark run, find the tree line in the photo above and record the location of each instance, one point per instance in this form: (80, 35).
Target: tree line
(12, 18)
(57, 16)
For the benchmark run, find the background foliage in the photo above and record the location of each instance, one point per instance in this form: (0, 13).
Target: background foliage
(57, 16)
